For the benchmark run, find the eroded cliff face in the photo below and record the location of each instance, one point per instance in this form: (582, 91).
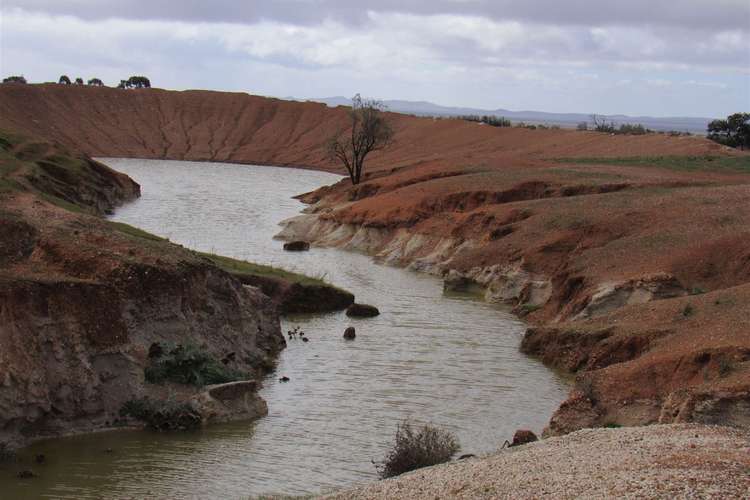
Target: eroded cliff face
(83, 301)
(647, 306)
(633, 274)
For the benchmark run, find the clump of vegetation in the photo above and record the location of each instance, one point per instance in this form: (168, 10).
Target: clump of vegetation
(739, 164)
(64, 80)
(734, 131)
(725, 367)
(688, 311)
(492, 120)
(135, 82)
(6, 454)
(612, 425)
(610, 127)
(14, 79)
(414, 449)
(697, 290)
(189, 365)
(162, 415)
(95, 82)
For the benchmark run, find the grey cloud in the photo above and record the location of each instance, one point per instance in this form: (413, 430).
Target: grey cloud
(712, 15)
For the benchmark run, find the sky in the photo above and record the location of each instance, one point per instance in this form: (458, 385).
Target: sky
(636, 57)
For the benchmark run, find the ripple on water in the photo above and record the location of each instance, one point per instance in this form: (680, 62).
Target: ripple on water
(447, 360)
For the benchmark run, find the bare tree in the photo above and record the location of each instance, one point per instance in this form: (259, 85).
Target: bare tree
(370, 132)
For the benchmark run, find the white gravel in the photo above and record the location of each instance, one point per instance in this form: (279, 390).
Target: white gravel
(659, 461)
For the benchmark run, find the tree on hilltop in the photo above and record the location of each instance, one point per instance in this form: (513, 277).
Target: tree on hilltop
(14, 79)
(79, 81)
(733, 132)
(64, 80)
(139, 82)
(95, 82)
(370, 131)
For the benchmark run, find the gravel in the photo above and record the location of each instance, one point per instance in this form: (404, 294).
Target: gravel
(659, 461)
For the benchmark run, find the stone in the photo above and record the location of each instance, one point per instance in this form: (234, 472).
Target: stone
(350, 333)
(523, 436)
(362, 311)
(297, 246)
(232, 390)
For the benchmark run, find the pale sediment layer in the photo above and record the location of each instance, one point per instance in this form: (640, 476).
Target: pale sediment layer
(661, 461)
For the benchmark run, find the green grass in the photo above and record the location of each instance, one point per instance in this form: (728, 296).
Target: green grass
(728, 164)
(134, 231)
(235, 266)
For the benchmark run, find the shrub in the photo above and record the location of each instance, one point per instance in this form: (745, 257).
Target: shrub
(725, 367)
(162, 415)
(414, 449)
(492, 120)
(6, 454)
(688, 311)
(191, 366)
(14, 79)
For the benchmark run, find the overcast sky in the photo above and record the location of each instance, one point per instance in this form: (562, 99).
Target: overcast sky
(637, 57)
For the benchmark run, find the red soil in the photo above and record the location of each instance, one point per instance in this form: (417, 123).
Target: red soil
(582, 227)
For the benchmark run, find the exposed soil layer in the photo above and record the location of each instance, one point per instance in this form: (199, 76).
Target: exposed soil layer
(84, 300)
(634, 273)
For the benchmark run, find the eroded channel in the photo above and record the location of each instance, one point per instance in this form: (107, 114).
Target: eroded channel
(450, 360)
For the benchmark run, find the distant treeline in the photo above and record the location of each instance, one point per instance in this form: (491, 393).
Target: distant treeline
(134, 82)
(494, 121)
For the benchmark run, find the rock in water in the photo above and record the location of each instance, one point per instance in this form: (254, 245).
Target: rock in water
(523, 436)
(362, 311)
(296, 246)
(350, 333)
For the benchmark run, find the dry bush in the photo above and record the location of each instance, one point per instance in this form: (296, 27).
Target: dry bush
(414, 449)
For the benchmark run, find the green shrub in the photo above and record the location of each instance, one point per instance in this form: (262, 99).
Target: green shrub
(416, 449)
(688, 311)
(162, 415)
(191, 366)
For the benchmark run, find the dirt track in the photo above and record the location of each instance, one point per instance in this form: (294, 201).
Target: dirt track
(636, 277)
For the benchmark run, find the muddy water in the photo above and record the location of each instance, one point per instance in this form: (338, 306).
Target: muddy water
(449, 360)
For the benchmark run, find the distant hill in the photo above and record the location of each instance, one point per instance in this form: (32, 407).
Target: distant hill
(568, 120)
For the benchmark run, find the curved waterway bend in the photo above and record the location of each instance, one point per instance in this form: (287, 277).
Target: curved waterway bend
(450, 360)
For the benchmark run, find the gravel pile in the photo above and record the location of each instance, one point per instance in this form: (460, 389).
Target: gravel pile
(660, 461)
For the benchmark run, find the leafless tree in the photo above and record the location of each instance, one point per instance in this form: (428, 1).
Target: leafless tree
(370, 132)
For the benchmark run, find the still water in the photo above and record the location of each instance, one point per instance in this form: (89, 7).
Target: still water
(449, 360)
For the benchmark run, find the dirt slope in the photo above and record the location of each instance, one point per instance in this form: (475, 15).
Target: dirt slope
(629, 254)
(83, 301)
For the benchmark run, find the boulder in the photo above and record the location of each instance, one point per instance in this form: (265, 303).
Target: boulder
(296, 246)
(350, 333)
(523, 436)
(362, 311)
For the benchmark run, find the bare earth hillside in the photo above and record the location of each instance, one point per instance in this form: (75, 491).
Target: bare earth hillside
(628, 255)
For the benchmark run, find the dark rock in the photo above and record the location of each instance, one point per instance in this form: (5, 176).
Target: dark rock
(362, 311)
(468, 455)
(284, 379)
(523, 436)
(305, 339)
(350, 333)
(297, 246)
(25, 474)
(40, 459)
(155, 350)
(232, 390)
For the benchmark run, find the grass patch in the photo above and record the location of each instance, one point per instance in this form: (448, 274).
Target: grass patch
(729, 164)
(134, 231)
(189, 365)
(162, 415)
(234, 266)
(688, 311)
